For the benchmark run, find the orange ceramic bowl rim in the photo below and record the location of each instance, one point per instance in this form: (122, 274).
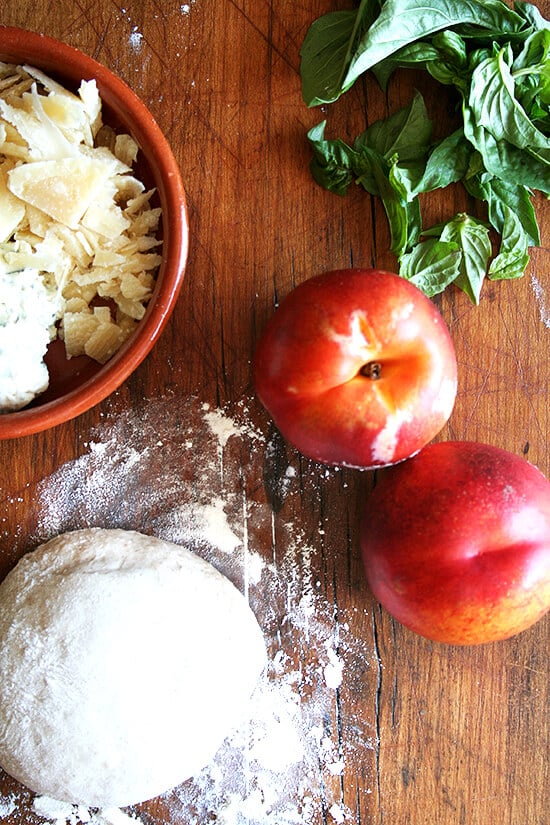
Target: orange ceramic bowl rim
(21, 46)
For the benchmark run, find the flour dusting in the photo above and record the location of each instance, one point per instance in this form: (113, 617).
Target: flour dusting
(185, 8)
(136, 39)
(544, 305)
(284, 767)
(8, 805)
(63, 813)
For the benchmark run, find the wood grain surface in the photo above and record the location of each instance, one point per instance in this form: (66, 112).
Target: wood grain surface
(432, 735)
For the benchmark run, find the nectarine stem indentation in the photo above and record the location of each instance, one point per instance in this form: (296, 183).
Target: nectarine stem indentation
(372, 370)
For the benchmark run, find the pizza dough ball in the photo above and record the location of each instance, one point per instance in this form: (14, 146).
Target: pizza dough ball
(125, 661)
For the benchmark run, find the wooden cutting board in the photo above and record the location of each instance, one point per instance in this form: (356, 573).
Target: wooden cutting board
(360, 721)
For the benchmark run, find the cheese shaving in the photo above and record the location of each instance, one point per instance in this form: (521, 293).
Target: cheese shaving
(73, 212)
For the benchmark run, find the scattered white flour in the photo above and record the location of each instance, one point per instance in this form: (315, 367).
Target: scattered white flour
(62, 813)
(333, 670)
(337, 813)
(544, 305)
(135, 39)
(286, 766)
(8, 805)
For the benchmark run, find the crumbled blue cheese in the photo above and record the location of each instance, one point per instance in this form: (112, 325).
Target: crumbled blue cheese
(28, 310)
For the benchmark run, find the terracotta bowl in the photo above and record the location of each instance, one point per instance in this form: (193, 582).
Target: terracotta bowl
(77, 384)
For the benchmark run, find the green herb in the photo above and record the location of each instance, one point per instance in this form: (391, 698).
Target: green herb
(498, 60)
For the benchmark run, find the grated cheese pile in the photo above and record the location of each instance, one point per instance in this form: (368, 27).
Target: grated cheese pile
(73, 219)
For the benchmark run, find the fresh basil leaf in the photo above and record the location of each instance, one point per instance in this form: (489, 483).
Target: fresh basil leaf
(534, 55)
(477, 56)
(502, 196)
(451, 67)
(431, 265)
(403, 140)
(513, 256)
(504, 160)
(444, 57)
(407, 132)
(505, 197)
(448, 162)
(395, 146)
(325, 55)
(498, 58)
(531, 15)
(446, 73)
(334, 163)
(401, 143)
(401, 22)
(495, 108)
(452, 46)
(531, 72)
(327, 49)
(405, 177)
(472, 238)
(415, 55)
(403, 216)
(373, 170)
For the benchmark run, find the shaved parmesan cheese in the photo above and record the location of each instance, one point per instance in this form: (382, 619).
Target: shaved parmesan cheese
(77, 230)
(78, 113)
(12, 211)
(42, 137)
(63, 189)
(105, 219)
(126, 149)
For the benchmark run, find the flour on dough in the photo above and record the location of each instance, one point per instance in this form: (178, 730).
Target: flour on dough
(125, 660)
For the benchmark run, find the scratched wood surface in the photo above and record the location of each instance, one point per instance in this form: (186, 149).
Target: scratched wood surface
(454, 735)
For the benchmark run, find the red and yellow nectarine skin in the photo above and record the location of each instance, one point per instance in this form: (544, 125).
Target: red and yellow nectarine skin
(456, 543)
(357, 368)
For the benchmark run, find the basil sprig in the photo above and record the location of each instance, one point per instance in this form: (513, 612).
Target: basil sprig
(498, 59)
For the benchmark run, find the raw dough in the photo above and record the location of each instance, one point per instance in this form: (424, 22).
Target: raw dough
(125, 660)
